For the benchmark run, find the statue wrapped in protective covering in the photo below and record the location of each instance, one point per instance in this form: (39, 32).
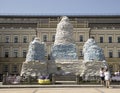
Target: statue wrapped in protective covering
(35, 63)
(36, 51)
(64, 48)
(92, 52)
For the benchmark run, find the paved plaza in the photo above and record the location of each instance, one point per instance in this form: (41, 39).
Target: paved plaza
(60, 90)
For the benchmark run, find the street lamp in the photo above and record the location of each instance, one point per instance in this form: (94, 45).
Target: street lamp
(48, 58)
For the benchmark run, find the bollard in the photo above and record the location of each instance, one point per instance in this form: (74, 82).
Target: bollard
(4, 80)
(53, 78)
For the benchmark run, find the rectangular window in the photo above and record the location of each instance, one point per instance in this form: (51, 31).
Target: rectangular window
(118, 39)
(24, 53)
(81, 38)
(110, 54)
(15, 53)
(24, 39)
(53, 38)
(44, 38)
(6, 54)
(14, 68)
(101, 39)
(5, 68)
(110, 39)
(7, 38)
(16, 39)
(119, 54)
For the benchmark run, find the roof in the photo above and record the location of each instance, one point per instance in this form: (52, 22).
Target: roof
(59, 15)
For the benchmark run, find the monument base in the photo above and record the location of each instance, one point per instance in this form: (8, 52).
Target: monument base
(87, 70)
(69, 67)
(37, 68)
(33, 68)
(90, 70)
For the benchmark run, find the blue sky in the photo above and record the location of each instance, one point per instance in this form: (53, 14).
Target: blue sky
(37, 7)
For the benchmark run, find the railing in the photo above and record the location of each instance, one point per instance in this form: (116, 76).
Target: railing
(64, 78)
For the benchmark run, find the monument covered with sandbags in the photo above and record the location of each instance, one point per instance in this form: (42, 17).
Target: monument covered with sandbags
(93, 59)
(36, 64)
(92, 52)
(64, 55)
(64, 48)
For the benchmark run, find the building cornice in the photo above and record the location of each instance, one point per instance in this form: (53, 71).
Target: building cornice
(74, 15)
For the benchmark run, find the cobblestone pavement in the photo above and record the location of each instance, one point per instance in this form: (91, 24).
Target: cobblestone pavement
(60, 90)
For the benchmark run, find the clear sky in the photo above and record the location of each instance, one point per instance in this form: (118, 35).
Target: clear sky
(38, 7)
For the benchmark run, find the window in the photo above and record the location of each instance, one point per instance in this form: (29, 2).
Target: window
(53, 38)
(44, 38)
(16, 39)
(110, 54)
(14, 68)
(5, 68)
(118, 39)
(110, 39)
(101, 39)
(119, 54)
(81, 38)
(24, 39)
(7, 39)
(24, 53)
(15, 53)
(6, 54)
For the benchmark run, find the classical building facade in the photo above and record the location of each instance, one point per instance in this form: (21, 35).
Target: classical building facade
(16, 31)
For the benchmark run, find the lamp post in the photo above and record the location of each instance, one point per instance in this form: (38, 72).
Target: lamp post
(48, 58)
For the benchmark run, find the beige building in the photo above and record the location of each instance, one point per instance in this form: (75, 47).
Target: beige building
(16, 31)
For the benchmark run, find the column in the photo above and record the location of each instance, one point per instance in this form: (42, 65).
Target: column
(115, 52)
(20, 51)
(106, 52)
(11, 51)
(114, 38)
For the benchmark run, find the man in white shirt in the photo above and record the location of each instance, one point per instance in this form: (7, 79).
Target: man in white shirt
(102, 76)
(107, 78)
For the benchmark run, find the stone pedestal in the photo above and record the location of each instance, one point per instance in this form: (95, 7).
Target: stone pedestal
(91, 69)
(38, 68)
(72, 68)
(33, 68)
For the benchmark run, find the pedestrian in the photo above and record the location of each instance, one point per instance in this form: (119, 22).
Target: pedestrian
(107, 78)
(102, 76)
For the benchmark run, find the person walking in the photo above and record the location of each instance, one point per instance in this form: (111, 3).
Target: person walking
(107, 78)
(102, 76)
